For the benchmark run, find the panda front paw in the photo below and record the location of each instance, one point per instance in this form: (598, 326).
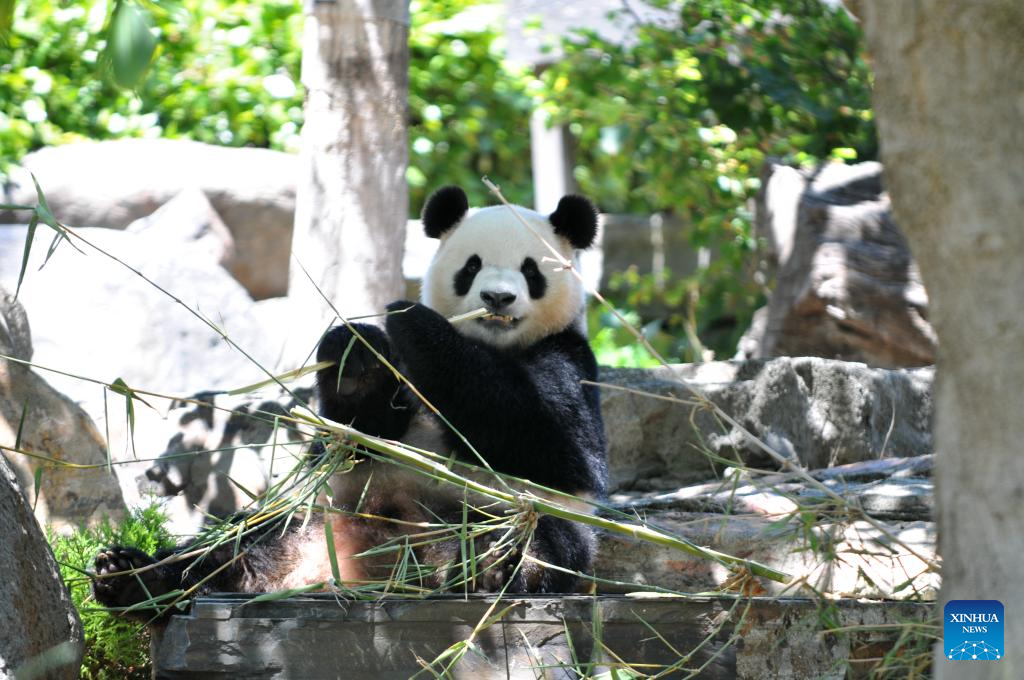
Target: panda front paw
(361, 370)
(412, 324)
(119, 581)
(496, 566)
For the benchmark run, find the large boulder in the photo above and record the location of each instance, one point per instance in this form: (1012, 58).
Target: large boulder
(846, 285)
(817, 411)
(93, 316)
(61, 462)
(41, 635)
(113, 183)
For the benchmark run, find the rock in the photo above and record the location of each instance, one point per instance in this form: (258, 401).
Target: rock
(818, 411)
(55, 428)
(40, 624)
(761, 518)
(113, 183)
(846, 284)
(188, 218)
(312, 636)
(94, 317)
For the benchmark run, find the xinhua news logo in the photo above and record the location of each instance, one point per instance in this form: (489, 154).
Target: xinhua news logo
(972, 630)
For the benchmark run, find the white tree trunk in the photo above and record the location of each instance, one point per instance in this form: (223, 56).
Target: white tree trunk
(351, 203)
(949, 96)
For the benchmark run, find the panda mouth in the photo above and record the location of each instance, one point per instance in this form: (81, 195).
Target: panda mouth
(498, 322)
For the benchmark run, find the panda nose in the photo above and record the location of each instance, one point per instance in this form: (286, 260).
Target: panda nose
(496, 299)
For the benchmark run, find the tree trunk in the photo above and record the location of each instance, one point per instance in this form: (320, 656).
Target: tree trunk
(351, 203)
(948, 96)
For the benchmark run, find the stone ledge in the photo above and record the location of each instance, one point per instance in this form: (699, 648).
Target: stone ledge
(318, 636)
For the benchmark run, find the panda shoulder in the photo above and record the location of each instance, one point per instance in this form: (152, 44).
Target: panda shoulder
(568, 347)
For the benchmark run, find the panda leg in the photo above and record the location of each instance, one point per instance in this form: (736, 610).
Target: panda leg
(365, 394)
(555, 541)
(562, 543)
(144, 579)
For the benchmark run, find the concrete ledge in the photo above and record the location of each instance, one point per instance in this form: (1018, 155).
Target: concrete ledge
(319, 636)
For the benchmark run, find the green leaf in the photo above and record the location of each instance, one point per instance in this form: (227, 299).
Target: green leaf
(284, 594)
(28, 247)
(121, 387)
(21, 425)
(58, 237)
(331, 553)
(130, 44)
(6, 19)
(37, 485)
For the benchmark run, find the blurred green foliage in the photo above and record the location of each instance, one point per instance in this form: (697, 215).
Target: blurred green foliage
(470, 110)
(115, 648)
(681, 119)
(227, 72)
(678, 118)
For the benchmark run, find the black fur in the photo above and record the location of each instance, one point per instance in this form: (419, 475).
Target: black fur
(463, 279)
(536, 282)
(368, 395)
(524, 410)
(443, 210)
(575, 218)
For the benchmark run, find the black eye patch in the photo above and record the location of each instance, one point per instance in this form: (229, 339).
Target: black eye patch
(536, 283)
(464, 277)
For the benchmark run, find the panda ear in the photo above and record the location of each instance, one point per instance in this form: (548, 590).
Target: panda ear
(443, 210)
(575, 219)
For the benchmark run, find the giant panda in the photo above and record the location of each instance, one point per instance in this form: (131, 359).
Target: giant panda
(514, 388)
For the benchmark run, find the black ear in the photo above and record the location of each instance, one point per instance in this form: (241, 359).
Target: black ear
(575, 218)
(443, 210)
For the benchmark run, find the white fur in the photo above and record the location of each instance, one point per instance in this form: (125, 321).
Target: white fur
(502, 242)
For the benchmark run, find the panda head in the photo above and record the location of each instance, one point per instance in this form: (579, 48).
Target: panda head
(488, 258)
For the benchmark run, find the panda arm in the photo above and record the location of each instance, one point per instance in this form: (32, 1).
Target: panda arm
(529, 416)
(366, 394)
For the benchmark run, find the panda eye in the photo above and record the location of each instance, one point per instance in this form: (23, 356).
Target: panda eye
(535, 281)
(529, 268)
(472, 264)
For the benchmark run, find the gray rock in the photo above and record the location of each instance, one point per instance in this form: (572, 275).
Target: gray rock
(846, 284)
(113, 183)
(552, 637)
(188, 219)
(764, 519)
(57, 430)
(41, 631)
(817, 411)
(94, 317)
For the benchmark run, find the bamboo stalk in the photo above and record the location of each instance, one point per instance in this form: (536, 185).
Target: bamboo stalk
(439, 471)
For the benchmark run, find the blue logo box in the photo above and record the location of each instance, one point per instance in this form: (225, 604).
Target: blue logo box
(972, 630)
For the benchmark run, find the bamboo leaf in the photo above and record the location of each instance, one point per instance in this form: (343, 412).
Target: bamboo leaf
(58, 237)
(332, 554)
(122, 388)
(283, 377)
(43, 209)
(252, 496)
(285, 594)
(21, 425)
(33, 223)
(37, 485)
